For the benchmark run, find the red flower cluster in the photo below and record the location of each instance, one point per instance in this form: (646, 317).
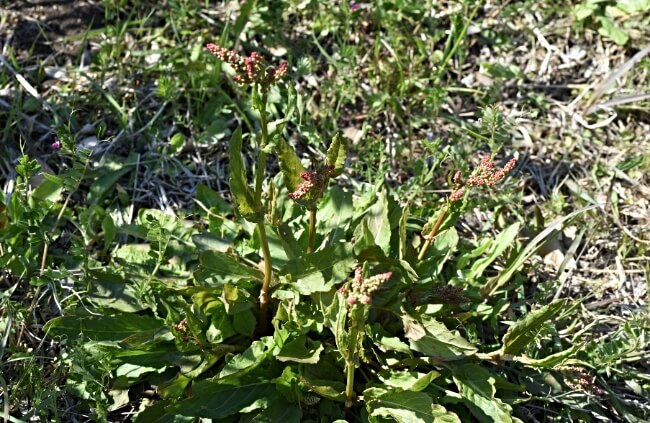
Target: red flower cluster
(578, 379)
(361, 289)
(484, 175)
(249, 70)
(313, 182)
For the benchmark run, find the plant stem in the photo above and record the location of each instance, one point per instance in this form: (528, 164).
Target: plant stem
(350, 365)
(312, 231)
(349, 386)
(259, 179)
(433, 232)
(268, 273)
(46, 248)
(261, 157)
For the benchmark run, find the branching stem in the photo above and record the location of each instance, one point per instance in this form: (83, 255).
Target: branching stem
(433, 232)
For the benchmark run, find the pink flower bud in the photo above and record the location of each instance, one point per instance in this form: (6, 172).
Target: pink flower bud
(458, 177)
(366, 299)
(456, 195)
(358, 276)
(56, 144)
(351, 301)
(510, 165)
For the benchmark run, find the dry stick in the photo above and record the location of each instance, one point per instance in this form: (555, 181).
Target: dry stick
(312, 231)
(433, 232)
(618, 72)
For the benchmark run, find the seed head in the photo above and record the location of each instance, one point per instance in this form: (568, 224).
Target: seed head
(249, 70)
(456, 195)
(361, 290)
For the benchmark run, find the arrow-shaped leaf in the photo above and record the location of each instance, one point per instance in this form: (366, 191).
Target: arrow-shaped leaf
(336, 154)
(241, 192)
(524, 331)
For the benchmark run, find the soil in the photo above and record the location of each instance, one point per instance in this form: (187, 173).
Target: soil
(37, 27)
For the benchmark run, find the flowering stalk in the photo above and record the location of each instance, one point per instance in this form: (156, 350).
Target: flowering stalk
(358, 297)
(309, 193)
(253, 70)
(259, 179)
(312, 231)
(484, 175)
(351, 362)
(433, 232)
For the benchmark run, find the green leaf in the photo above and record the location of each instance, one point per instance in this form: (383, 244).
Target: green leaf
(502, 241)
(290, 164)
(409, 380)
(108, 328)
(248, 360)
(110, 290)
(241, 192)
(513, 265)
(334, 316)
(584, 10)
(173, 388)
(525, 330)
(336, 154)
(288, 241)
(330, 389)
(157, 413)
(110, 172)
(301, 350)
(220, 268)
(244, 322)
(209, 242)
(49, 189)
(610, 30)
(279, 410)
(235, 299)
(66, 138)
(320, 271)
(552, 360)
(217, 400)
(476, 387)
(245, 11)
(176, 143)
(633, 6)
(433, 339)
(212, 199)
(334, 214)
(378, 222)
(402, 231)
(108, 226)
(406, 407)
(384, 341)
(442, 249)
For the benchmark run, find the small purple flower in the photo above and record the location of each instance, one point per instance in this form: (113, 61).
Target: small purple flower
(56, 145)
(354, 6)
